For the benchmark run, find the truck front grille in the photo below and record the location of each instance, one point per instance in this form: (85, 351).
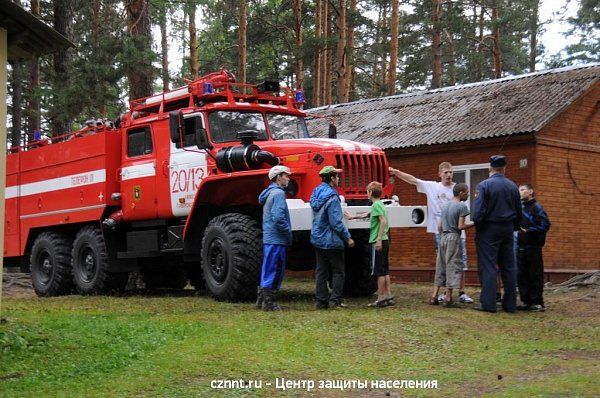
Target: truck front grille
(361, 169)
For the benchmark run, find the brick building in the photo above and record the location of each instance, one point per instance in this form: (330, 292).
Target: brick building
(546, 123)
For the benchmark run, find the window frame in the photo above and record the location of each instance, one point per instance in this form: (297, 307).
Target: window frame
(268, 124)
(208, 125)
(467, 168)
(146, 129)
(187, 117)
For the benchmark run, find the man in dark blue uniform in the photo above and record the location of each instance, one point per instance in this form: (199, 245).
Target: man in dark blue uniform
(496, 213)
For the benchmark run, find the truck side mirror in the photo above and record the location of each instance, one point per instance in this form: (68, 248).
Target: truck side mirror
(332, 131)
(202, 138)
(175, 125)
(200, 135)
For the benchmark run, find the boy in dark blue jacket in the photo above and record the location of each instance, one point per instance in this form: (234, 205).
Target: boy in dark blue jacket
(277, 234)
(532, 237)
(328, 235)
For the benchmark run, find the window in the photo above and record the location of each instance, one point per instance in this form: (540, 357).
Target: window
(189, 126)
(472, 175)
(139, 142)
(285, 127)
(224, 125)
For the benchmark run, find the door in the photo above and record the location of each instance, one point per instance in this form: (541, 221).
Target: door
(187, 167)
(138, 175)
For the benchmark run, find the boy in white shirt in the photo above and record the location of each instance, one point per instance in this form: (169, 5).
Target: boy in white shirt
(438, 195)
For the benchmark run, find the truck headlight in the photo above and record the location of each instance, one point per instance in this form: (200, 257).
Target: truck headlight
(418, 216)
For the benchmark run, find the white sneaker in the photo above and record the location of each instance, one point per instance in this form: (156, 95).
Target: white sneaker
(465, 299)
(441, 298)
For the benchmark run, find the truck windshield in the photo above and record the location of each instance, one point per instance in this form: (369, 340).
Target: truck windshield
(285, 127)
(224, 125)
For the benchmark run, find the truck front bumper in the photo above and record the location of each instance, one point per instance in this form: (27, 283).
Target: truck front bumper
(398, 216)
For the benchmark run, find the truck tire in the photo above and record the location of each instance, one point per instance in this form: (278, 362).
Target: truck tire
(231, 257)
(90, 264)
(51, 264)
(359, 281)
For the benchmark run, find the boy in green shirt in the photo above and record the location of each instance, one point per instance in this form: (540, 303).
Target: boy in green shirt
(379, 241)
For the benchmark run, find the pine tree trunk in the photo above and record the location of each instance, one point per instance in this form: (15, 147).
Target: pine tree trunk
(497, 52)
(452, 62)
(17, 103)
(299, 43)
(63, 24)
(138, 27)
(242, 41)
(325, 51)
(329, 58)
(341, 53)
(164, 49)
(193, 41)
(481, 47)
(33, 108)
(533, 32)
(316, 94)
(384, 64)
(350, 51)
(393, 47)
(375, 73)
(436, 44)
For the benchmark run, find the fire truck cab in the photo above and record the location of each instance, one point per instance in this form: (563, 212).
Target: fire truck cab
(170, 191)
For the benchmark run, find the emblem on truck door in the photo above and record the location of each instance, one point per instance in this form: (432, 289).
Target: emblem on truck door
(137, 192)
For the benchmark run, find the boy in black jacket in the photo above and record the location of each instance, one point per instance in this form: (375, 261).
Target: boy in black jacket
(532, 237)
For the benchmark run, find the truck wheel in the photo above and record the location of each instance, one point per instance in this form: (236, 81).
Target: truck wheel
(359, 281)
(51, 264)
(90, 264)
(231, 256)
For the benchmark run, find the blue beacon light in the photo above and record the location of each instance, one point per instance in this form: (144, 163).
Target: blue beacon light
(207, 88)
(299, 97)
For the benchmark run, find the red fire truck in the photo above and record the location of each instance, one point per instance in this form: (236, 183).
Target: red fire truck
(170, 191)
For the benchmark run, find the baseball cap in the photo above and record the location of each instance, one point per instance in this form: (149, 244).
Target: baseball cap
(276, 170)
(329, 170)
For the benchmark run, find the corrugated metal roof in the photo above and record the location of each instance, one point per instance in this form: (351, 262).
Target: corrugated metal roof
(509, 106)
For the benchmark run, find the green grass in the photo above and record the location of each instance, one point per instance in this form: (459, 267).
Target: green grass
(164, 346)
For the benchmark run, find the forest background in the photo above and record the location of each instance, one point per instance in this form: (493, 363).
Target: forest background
(336, 51)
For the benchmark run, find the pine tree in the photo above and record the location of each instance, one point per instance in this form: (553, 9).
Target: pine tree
(138, 48)
(242, 41)
(585, 26)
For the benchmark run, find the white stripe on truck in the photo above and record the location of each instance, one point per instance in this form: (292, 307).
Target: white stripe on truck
(56, 184)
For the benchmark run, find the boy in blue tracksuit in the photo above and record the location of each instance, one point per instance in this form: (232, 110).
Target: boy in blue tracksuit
(531, 239)
(328, 235)
(277, 234)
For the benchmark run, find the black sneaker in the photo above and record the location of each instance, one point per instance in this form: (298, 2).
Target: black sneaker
(478, 308)
(321, 305)
(523, 307)
(434, 301)
(537, 308)
(378, 304)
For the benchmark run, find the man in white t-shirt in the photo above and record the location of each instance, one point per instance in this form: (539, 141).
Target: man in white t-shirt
(438, 195)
